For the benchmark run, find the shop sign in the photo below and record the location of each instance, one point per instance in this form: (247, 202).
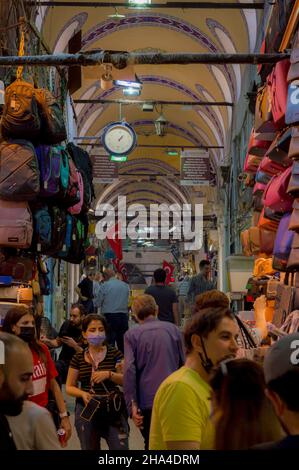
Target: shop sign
(195, 167)
(105, 171)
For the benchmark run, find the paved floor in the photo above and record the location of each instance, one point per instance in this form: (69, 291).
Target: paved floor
(135, 439)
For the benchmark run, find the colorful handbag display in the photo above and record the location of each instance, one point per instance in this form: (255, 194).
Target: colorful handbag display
(276, 196)
(251, 163)
(263, 117)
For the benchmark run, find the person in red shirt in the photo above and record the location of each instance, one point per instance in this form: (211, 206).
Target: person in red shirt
(20, 321)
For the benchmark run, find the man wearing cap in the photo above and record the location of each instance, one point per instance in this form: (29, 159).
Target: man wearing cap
(281, 368)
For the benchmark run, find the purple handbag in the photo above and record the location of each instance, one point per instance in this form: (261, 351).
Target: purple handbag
(275, 194)
(283, 244)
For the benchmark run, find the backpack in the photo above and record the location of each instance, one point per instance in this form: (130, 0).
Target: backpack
(49, 166)
(42, 229)
(20, 268)
(15, 224)
(64, 171)
(76, 253)
(52, 122)
(68, 238)
(72, 196)
(58, 217)
(20, 118)
(84, 165)
(19, 173)
(77, 208)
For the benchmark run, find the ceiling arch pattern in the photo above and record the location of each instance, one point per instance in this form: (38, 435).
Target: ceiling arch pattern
(155, 19)
(210, 30)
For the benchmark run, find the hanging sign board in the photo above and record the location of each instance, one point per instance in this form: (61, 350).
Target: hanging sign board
(105, 171)
(195, 167)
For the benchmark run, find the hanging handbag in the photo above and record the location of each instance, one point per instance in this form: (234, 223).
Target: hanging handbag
(267, 239)
(283, 244)
(262, 177)
(267, 224)
(256, 146)
(284, 302)
(294, 144)
(276, 196)
(279, 149)
(254, 240)
(293, 260)
(278, 90)
(272, 167)
(263, 116)
(245, 242)
(293, 187)
(294, 220)
(251, 163)
(292, 112)
(293, 73)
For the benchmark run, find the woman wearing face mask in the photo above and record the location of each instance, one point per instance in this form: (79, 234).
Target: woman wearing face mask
(20, 321)
(96, 370)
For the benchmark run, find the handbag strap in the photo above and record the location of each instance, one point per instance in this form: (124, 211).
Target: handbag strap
(247, 337)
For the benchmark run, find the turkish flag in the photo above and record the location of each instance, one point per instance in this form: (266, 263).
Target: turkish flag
(169, 268)
(115, 242)
(121, 268)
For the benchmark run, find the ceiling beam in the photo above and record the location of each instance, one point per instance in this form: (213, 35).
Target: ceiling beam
(161, 146)
(168, 103)
(177, 5)
(122, 59)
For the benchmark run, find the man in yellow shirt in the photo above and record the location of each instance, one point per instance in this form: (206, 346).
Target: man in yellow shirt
(181, 411)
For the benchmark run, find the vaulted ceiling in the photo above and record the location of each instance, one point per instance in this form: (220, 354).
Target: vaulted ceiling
(169, 30)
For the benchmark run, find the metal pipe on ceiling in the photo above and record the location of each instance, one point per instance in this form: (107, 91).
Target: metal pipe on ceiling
(153, 102)
(163, 146)
(121, 60)
(177, 5)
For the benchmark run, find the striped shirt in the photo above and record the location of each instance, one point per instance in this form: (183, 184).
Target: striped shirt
(85, 370)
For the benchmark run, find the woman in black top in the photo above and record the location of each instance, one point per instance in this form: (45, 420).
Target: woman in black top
(96, 370)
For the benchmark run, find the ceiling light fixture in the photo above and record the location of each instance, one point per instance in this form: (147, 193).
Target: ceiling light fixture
(130, 91)
(106, 78)
(139, 3)
(129, 83)
(161, 125)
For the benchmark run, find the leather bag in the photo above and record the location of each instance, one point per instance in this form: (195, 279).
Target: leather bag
(267, 239)
(293, 261)
(293, 187)
(278, 89)
(279, 149)
(294, 144)
(283, 244)
(19, 172)
(263, 115)
(294, 220)
(275, 194)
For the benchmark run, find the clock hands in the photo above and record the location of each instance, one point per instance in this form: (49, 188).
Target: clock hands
(120, 138)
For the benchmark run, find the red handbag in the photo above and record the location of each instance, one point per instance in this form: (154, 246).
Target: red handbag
(278, 89)
(275, 194)
(259, 188)
(269, 166)
(267, 224)
(267, 239)
(256, 146)
(251, 163)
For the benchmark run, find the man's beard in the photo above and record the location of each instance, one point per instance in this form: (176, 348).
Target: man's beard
(11, 406)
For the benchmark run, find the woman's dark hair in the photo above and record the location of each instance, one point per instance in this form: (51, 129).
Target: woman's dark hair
(203, 322)
(12, 317)
(91, 317)
(243, 416)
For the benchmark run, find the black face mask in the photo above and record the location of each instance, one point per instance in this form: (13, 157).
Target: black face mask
(27, 333)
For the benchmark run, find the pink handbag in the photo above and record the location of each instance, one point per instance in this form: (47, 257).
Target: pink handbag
(256, 146)
(278, 88)
(76, 209)
(259, 188)
(15, 224)
(270, 167)
(275, 194)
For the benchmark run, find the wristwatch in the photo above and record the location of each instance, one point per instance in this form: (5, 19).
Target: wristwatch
(65, 414)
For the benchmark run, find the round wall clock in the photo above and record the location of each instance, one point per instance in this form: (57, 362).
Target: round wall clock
(119, 138)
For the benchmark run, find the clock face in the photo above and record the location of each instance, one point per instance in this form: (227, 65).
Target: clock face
(119, 139)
